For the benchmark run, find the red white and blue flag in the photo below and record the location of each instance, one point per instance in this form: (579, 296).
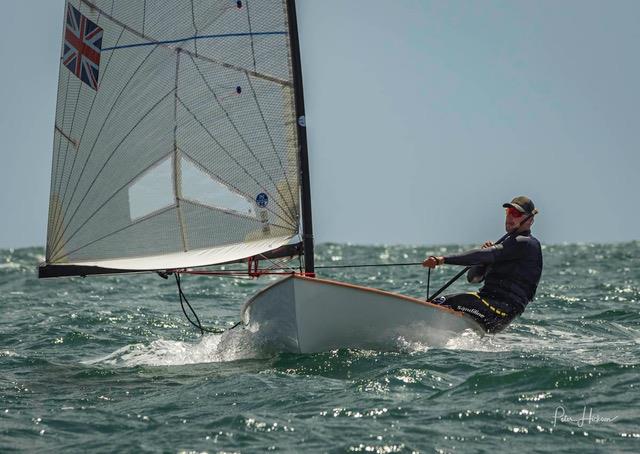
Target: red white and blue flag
(82, 45)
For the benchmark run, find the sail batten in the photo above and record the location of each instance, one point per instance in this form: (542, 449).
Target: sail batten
(175, 133)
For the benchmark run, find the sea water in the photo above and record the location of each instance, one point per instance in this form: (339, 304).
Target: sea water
(109, 364)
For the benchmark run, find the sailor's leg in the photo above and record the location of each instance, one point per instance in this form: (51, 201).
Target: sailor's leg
(502, 314)
(483, 311)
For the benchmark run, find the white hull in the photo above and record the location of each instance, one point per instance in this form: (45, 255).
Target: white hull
(305, 315)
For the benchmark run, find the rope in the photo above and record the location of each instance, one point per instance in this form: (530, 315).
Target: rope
(242, 273)
(366, 265)
(362, 265)
(197, 323)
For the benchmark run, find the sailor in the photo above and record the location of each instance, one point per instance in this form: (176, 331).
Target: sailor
(510, 271)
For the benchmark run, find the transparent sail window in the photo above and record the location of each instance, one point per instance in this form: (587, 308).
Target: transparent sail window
(153, 191)
(200, 187)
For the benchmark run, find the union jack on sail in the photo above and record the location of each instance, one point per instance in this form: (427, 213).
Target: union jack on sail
(82, 46)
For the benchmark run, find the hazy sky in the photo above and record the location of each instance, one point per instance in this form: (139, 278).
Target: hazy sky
(423, 117)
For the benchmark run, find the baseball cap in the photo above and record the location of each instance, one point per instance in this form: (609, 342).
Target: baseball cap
(522, 204)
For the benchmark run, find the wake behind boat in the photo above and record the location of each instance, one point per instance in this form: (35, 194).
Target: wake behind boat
(180, 142)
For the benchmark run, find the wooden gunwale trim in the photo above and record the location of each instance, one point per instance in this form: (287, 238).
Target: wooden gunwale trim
(380, 292)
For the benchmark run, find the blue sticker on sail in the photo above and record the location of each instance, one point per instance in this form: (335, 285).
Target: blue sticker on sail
(262, 199)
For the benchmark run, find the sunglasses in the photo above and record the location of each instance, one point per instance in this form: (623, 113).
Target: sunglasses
(514, 213)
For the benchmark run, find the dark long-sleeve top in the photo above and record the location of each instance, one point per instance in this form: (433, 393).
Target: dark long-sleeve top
(511, 270)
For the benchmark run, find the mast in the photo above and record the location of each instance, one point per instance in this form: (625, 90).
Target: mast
(307, 225)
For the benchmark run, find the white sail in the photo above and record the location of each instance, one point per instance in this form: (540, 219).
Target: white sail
(175, 138)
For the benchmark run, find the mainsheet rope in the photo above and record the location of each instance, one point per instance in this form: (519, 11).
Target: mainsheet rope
(244, 271)
(288, 270)
(197, 323)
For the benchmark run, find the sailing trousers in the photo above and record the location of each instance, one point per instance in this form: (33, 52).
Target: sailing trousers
(493, 315)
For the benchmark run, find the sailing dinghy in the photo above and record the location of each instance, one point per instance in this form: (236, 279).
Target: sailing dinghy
(180, 142)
